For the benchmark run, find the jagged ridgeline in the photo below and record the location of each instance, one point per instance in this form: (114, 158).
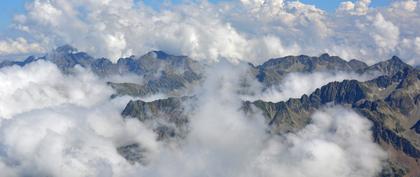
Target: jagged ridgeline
(390, 101)
(160, 72)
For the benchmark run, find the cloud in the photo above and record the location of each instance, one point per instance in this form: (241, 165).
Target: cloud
(52, 124)
(79, 135)
(361, 7)
(19, 45)
(294, 85)
(71, 141)
(41, 84)
(385, 33)
(323, 148)
(249, 30)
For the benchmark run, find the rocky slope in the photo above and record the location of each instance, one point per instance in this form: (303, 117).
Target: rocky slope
(168, 117)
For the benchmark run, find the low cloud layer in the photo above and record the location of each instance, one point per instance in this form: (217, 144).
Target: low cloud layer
(247, 30)
(75, 132)
(294, 85)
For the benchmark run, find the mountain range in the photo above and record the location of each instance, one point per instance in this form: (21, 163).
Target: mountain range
(391, 101)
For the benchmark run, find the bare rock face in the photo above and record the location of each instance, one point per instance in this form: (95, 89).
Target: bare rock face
(416, 127)
(133, 153)
(168, 117)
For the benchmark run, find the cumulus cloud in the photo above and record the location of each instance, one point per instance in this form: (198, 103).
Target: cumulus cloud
(361, 7)
(250, 30)
(19, 45)
(384, 33)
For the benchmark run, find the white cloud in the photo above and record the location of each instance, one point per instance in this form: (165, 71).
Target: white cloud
(19, 45)
(294, 85)
(407, 5)
(250, 30)
(65, 125)
(384, 33)
(323, 148)
(41, 84)
(71, 141)
(361, 7)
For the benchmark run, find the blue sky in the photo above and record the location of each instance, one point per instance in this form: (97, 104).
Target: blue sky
(8, 8)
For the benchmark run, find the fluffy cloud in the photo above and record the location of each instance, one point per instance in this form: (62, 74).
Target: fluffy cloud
(322, 149)
(71, 141)
(41, 84)
(250, 30)
(53, 124)
(359, 8)
(384, 33)
(19, 45)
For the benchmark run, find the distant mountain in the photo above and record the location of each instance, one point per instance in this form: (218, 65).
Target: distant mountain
(160, 72)
(18, 63)
(388, 67)
(273, 71)
(173, 75)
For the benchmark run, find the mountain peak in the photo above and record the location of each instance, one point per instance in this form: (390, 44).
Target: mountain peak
(395, 59)
(65, 49)
(324, 55)
(158, 54)
(389, 67)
